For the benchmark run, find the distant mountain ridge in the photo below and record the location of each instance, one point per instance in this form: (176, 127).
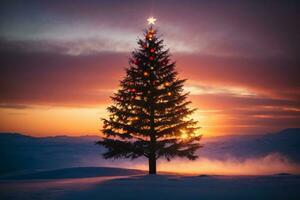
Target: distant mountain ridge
(21, 152)
(20, 135)
(286, 142)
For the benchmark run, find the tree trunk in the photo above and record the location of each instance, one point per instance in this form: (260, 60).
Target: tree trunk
(152, 164)
(152, 153)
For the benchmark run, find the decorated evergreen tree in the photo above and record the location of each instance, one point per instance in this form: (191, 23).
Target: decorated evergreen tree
(150, 114)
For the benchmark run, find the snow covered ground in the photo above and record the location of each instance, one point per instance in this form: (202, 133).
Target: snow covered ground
(112, 183)
(59, 168)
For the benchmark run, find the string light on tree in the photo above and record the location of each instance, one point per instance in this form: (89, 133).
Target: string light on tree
(184, 136)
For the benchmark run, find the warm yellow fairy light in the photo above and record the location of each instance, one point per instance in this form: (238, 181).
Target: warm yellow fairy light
(184, 136)
(169, 93)
(114, 118)
(151, 20)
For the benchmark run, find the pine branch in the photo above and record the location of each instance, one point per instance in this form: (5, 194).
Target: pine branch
(123, 149)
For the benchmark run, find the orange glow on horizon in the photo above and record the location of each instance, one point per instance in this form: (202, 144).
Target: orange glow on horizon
(75, 121)
(50, 121)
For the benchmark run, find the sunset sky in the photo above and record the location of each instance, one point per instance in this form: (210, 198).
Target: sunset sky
(61, 60)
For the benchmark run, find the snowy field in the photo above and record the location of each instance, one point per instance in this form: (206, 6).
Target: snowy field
(113, 183)
(28, 170)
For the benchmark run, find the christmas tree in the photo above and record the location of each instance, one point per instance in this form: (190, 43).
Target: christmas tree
(150, 112)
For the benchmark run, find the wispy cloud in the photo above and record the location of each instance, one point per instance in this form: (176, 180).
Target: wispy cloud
(201, 89)
(15, 106)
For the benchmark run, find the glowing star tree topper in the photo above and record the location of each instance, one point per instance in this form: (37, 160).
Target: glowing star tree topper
(151, 20)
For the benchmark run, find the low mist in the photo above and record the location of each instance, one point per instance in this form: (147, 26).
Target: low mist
(273, 163)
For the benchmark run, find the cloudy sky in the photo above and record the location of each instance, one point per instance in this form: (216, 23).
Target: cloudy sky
(61, 60)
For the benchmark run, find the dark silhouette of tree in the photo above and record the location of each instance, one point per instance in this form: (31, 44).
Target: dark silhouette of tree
(150, 112)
